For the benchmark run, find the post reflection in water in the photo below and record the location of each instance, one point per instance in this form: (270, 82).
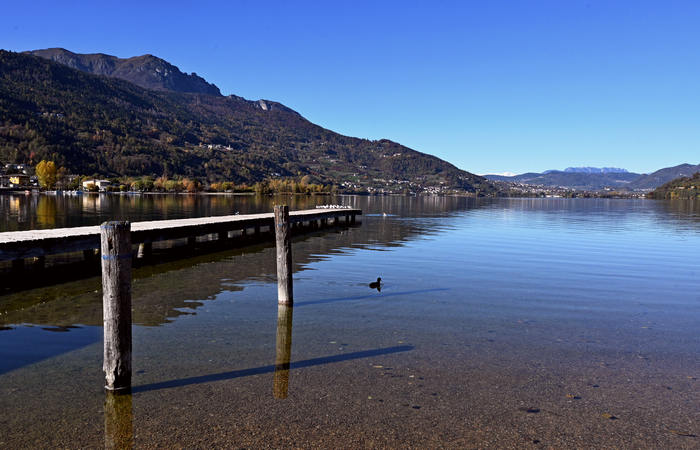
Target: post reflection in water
(119, 428)
(283, 352)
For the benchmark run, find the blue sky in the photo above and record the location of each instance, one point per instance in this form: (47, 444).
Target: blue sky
(491, 86)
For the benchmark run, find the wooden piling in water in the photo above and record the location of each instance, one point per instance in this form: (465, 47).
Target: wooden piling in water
(283, 242)
(115, 240)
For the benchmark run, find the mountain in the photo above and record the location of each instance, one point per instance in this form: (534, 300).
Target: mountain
(662, 176)
(146, 71)
(586, 181)
(680, 188)
(593, 170)
(593, 179)
(95, 124)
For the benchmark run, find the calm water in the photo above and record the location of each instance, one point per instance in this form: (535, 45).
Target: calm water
(523, 322)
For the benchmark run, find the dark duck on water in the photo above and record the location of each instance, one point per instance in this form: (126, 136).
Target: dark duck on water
(376, 284)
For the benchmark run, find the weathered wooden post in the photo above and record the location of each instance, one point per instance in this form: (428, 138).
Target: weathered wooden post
(283, 351)
(116, 303)
(283, 242)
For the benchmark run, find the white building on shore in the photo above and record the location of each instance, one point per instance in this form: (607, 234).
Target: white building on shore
(102, 185)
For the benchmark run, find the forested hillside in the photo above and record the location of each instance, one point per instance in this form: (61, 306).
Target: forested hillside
(93, 124)
(681, 188)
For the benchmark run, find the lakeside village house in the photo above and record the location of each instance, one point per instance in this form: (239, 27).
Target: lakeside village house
(102, 185)
(16, 176)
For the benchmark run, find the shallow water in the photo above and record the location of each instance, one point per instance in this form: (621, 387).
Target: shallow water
(514, 322)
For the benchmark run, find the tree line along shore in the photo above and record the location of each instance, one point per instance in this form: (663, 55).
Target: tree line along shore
(48, 176)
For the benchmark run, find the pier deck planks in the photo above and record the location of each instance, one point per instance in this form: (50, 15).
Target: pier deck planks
(36, 243)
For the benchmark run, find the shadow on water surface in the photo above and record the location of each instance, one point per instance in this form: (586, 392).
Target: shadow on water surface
(364, 297)
(118, 411)
(270, 368)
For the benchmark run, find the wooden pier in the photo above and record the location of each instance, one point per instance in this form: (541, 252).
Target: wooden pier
(17, 245)
(115, 241)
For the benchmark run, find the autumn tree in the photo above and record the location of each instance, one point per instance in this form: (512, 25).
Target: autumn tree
(190, 186)
(160, 182)
(46, 173)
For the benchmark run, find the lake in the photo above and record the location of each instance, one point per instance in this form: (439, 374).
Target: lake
(500, 323)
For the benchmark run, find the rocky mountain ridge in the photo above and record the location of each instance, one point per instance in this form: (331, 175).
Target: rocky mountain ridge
(147, 71)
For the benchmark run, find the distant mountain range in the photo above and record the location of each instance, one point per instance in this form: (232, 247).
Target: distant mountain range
(593, 179)
(99, 114)
(593, 170)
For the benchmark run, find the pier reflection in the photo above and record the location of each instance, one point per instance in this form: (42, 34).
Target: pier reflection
(179, 287)
(283, 351)
(119, 421)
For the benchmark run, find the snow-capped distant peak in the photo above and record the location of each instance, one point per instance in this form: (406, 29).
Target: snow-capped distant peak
(502, 174)
(595, 170)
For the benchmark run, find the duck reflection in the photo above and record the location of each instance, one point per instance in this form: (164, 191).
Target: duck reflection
(284, 350)
(119, 428)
